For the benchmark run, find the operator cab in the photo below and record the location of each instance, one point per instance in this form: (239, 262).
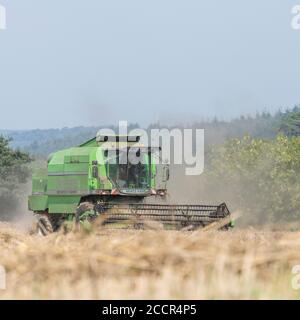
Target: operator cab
(130, 166)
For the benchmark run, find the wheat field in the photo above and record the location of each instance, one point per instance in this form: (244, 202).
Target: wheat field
(149, 264)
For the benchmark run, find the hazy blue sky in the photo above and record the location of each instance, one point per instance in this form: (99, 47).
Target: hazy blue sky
(71, 62)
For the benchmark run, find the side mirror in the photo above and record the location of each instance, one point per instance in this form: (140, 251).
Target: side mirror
(95, 172)
(166, 174)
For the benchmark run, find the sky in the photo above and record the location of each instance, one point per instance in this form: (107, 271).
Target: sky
(95, 62)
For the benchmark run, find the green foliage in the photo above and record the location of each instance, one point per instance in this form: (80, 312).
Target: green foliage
(14, 172)
(290, 123)
(260, 177)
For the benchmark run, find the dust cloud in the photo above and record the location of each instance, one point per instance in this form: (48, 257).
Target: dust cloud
(13, 208)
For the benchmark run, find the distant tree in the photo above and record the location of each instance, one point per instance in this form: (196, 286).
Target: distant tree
(290, 122)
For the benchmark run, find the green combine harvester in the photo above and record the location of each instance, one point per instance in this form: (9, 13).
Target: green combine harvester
(93, 181)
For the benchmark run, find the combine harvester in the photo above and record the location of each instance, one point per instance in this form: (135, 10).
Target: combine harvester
(83, 183)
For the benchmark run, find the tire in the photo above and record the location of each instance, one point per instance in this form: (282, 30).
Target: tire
(83, 207)
(44, 225)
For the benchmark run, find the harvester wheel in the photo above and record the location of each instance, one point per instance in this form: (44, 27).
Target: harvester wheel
(44, 225)
(83, 217)
(81, 209)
